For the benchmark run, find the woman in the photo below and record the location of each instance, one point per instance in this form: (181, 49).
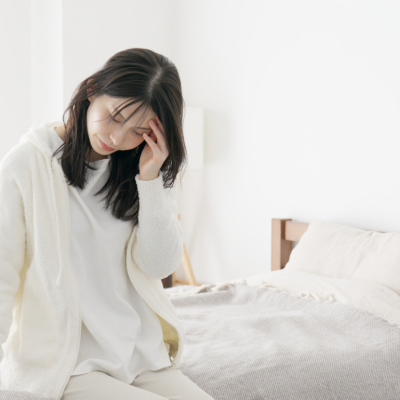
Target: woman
(83, 313)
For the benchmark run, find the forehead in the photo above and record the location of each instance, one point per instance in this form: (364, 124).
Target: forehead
(116, 105)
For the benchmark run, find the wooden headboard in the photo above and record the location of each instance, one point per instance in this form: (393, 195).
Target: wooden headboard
(284, 232)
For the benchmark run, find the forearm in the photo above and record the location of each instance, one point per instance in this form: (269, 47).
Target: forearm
(158, 247)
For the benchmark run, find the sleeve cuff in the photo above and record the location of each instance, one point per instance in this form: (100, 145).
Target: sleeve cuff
(152, 196)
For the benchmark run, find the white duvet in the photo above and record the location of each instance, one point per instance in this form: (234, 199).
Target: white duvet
(250, 342)
(374, 298)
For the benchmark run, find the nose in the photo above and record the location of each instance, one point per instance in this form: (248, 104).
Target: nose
(117, 137)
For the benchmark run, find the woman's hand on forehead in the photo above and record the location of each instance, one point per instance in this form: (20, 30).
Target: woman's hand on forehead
(154, 153)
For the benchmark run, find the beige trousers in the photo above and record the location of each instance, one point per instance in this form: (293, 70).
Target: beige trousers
(166, 383)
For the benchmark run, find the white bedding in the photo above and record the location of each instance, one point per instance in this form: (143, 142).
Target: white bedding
(291, 335)
(374, 298)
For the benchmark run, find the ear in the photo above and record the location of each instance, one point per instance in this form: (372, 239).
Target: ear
(89, 85)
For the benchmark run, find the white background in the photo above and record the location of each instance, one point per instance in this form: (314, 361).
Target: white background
(301, 100)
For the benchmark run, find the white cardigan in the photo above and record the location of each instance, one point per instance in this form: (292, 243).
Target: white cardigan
(40, 315)
(120, 335)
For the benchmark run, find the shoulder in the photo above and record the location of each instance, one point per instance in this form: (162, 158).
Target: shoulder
(18, 161)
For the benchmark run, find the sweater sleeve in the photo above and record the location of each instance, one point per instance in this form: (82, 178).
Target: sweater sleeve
(158, 247)
(12, 247)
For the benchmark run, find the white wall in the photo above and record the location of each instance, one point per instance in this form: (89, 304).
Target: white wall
(301, 106)
(15, 93)
(302, 121)
(95, 30)
(46, 60)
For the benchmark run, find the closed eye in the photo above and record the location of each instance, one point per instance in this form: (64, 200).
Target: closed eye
(138, 134)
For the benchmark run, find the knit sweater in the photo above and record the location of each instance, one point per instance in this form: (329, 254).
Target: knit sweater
(40, 315)
(120, 334)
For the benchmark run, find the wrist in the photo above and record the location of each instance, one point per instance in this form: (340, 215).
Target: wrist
(152, 196)
(149, 178)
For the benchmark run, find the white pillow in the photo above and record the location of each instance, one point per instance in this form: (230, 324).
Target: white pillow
(340, 251)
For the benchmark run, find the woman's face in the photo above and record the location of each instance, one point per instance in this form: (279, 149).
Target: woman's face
(113, 134)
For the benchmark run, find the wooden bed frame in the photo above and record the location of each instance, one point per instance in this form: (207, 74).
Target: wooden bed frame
(283, 233)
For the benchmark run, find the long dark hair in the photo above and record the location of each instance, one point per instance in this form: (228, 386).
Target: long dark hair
(142, 76)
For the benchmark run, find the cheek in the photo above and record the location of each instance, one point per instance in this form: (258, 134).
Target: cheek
(96, 123)
(134, 142)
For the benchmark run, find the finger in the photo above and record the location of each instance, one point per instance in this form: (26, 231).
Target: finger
(160, 125)
(152, 136)
(159, 135)
(152, 144)
(156, 150)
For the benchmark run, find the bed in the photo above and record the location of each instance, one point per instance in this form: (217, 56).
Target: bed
(322, 324)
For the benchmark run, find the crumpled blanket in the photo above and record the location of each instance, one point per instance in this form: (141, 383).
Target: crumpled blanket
(288, 335)
(258, 342)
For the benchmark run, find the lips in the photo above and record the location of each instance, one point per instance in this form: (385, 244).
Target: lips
(105, 147)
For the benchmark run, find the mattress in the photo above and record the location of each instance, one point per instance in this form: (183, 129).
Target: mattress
(291, 335)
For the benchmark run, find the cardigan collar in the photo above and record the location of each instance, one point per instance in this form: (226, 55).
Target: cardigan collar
(41, 138)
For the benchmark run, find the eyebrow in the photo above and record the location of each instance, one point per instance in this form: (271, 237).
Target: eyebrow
(139, 127)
